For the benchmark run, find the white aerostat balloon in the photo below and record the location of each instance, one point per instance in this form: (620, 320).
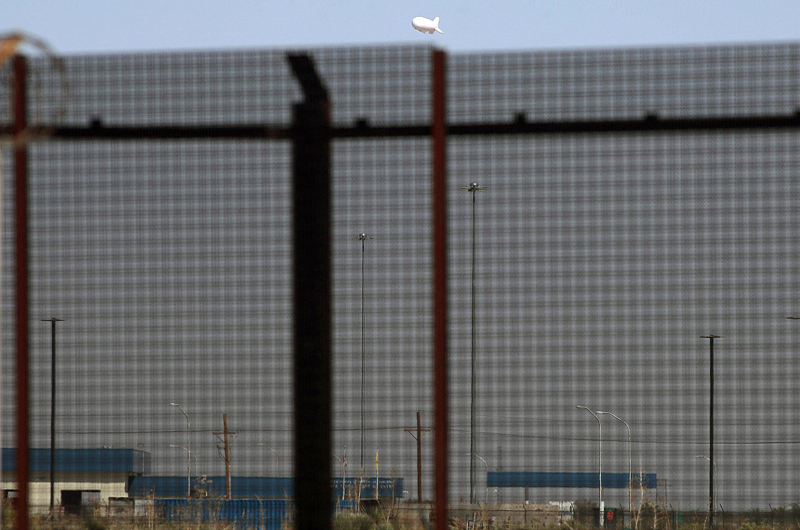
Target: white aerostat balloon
(425, 25)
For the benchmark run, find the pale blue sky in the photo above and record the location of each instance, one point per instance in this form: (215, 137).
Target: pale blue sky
(107, 26)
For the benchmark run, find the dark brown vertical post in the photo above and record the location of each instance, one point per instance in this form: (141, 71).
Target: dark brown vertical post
(227, 457)
(311, 190)
(21, 287)
(711, 436)
(439, 140)
(711, 521)
(419, 459)
(417, 435)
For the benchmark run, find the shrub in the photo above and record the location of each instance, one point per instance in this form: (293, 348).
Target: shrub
(9, 515)
(94, 524)
(345, 521)
(754, 526)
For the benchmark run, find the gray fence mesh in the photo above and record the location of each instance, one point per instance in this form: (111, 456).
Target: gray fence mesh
(600, 259)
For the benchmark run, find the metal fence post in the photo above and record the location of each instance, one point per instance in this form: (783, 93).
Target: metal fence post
(21, 287)
(439, 140)
(312, 299)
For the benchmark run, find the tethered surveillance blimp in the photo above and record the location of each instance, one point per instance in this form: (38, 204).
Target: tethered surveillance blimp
(425, 25)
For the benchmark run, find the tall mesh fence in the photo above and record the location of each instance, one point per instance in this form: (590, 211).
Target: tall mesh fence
(600, 259)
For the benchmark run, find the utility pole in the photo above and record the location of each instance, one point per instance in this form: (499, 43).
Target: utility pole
(224, 434)
(418, 437)
(227, 458)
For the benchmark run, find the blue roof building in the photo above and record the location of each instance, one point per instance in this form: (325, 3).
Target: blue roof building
(82, 477)
(258, 487)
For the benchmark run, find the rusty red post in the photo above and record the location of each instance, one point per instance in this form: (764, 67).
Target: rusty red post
(439, 140)
(21, 286)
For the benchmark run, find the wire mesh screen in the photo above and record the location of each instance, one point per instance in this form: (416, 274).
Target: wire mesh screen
(583, 275)
(170, 263)
(601, 262)
(601, 258)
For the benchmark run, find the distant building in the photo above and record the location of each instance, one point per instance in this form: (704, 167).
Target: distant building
(272, 488)
(212, 487)
(82, 478)
(86, 478)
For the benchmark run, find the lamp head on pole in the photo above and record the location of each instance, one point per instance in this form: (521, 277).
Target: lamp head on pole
(590, 411)
(182, 411)
(474, 187)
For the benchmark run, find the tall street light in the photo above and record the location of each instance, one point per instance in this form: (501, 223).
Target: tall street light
(600, 473)
(277, 460)
(630, 459)
(711, 429)
(188, 453)
(712, 463)
(486, 500)
(363, 238)
(52, 321)
(343, 460)
(472, 188)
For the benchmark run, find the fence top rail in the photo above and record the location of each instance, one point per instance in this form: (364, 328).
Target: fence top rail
(519, 126)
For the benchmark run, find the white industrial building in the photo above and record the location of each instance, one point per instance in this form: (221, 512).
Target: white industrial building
(82, 478)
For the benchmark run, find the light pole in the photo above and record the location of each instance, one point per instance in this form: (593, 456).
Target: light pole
(600, 473)
(472, 188)
(277, 460)
(486, 500)
(630, 459)
(377, 473)
(715, 471)
(188, 451)
(363, 238)
(343, 460)
(52, 321)
(189, 454)
(711, 429)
